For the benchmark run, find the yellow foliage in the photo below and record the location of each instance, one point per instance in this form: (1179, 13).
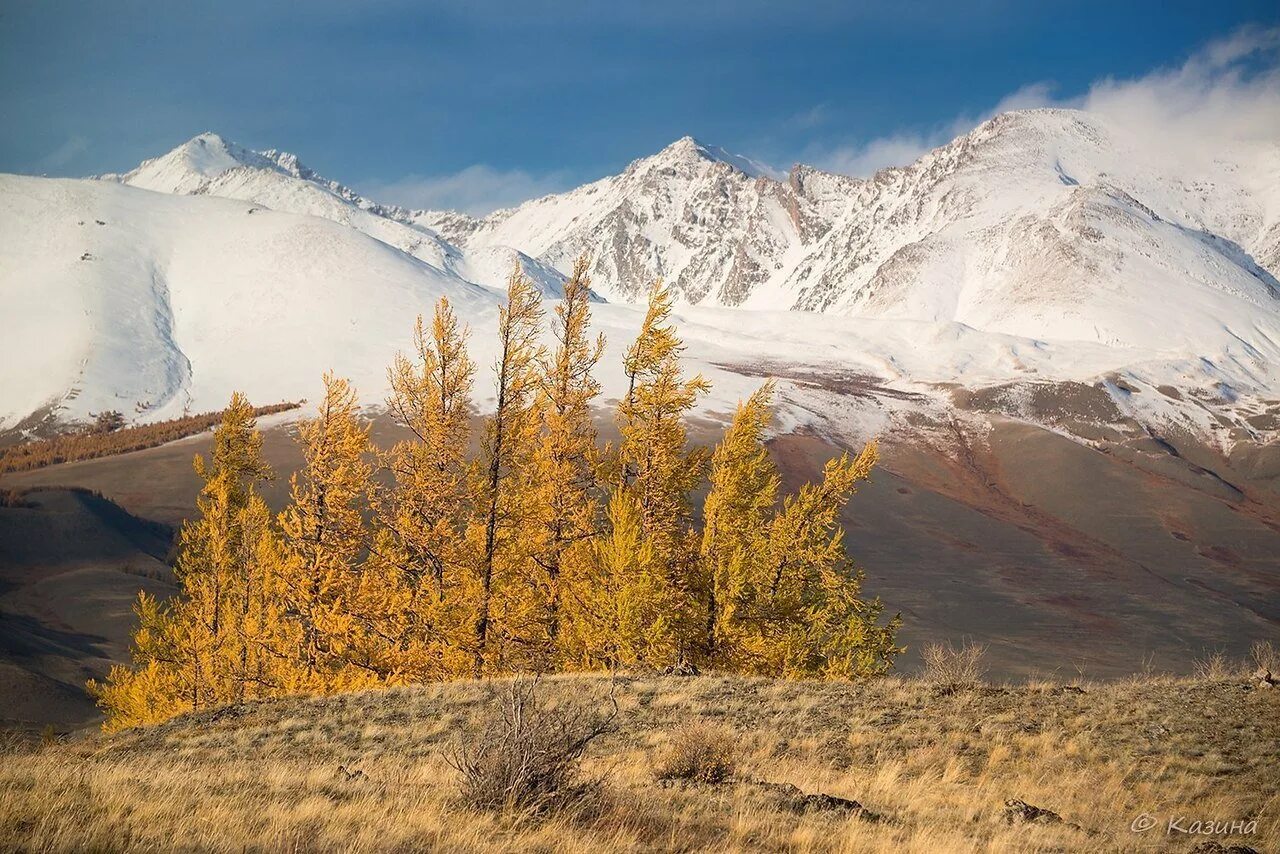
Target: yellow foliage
(544, 553)
(658, 469)
(324, 536)
(561, 489)
(504, 612)
(203, 648)
(420, 551)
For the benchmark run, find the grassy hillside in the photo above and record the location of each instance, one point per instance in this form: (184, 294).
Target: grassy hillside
(932, 765)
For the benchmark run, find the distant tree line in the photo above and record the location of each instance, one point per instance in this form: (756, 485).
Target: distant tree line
(544, 552)
(107, 436)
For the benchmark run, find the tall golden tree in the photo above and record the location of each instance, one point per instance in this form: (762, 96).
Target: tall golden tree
(744, 489)
(421, 546)
(324, 537)
(510, 433)
(563, 499)
(657, 468)
(192, 652)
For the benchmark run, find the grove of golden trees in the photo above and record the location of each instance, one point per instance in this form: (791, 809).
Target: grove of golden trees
(543, 552)
(104, 439)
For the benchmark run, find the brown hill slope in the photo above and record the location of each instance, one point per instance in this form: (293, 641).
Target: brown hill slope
(1064, 558)
(71, 565)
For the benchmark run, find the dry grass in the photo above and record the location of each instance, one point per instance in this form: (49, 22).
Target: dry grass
(369, 772)
(698, 753)
(1215, 666)
(1265, 657)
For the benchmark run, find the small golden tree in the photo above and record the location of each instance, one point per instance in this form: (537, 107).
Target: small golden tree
(194, 651)
(803, 610)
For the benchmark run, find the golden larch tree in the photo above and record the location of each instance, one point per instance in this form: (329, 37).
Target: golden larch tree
(563, 490)
(616, 615)
(739, 503)
(658, 469)
(324, 537)
(191, 652)
(501, 503)
(805, 611)
(421, 545)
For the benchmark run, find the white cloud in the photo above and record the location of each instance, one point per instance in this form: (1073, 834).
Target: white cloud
(902, 148)
(65, 153)
(476, 190)
(1229, 91)
(806, 119)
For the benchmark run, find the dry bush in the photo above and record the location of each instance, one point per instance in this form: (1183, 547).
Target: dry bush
(527, 756)
(698, 753)
(1265, 657)
(1215, 667)
(945, 664)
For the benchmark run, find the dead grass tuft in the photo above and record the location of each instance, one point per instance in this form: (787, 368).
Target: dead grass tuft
(1265, 657)
(698, 753)
(1215, 667)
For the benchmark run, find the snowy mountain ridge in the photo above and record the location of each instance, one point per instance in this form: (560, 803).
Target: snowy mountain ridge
(1043, 247)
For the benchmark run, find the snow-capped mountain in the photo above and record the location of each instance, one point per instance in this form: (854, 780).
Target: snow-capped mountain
(1044, 246)
(1050, 224)
(209, 165)
(154, 304)
(715, 226)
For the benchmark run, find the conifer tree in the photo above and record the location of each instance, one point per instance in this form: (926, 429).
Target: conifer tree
(509, 436)
(186, 652)
(324, 535)
(257, 657)
(657, 468)
(616, 613)
(421, 547)
(744, 488)
(563, 501)
(806, 613)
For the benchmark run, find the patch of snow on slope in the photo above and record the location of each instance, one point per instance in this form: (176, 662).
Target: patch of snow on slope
(154, 305)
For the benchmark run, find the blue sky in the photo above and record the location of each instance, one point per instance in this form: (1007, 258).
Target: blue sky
(478, 104)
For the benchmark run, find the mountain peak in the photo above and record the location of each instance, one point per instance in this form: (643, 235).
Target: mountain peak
(691, 151)
(210, 154)
(205, 157)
